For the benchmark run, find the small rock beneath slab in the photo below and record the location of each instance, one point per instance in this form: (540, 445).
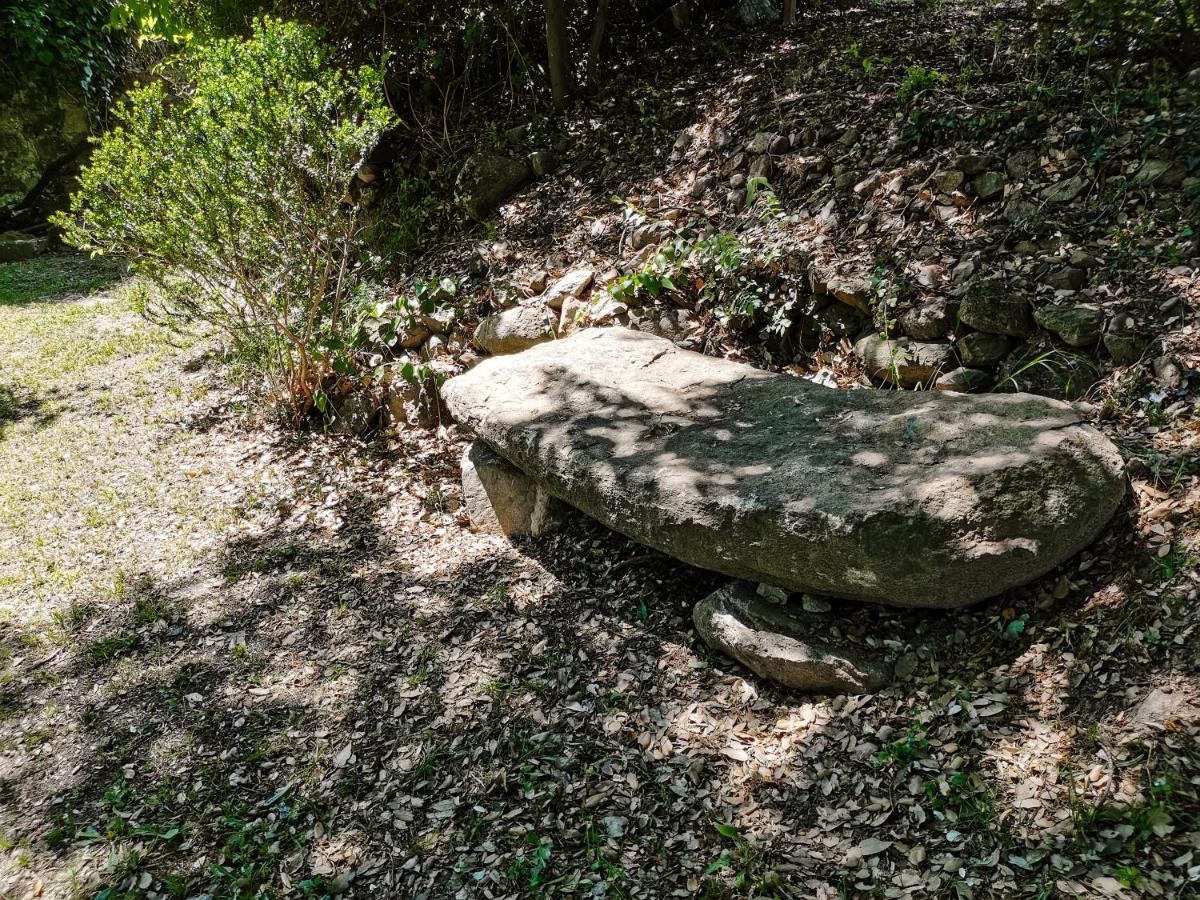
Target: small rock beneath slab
(501, 499)
(773, 593)
(784, 644)
(811, 604)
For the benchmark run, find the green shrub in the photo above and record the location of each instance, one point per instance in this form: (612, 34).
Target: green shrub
(226, 183)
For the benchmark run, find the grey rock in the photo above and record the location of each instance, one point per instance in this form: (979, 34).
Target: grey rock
(760, 143)
(988, 305)
(516, 329)
(1165, 172)
(779, 145)
(501, 499)
(1126, 347)
(355, 415)
(1079, 326)
(948, 181)
(672, 324)
(16, 246)
(1068, 279)
(784, 645)
(487, 179)
(737, 180)
(973, 164)
(911, 499)
(853, 291)
(414, 403)
(837, 320)
(542, 162)
(964, 380)
(1167, 372)
(988, 186)
(762, 166)
(1022, 164)
(703, 185)
(573, 284)
(645, 235)
(756, 12)
(43, 121)
(1064, 191)
(811, 604)
(848, 138)
(905, 363)
(982, 349)
(772, 593)
(929, 321)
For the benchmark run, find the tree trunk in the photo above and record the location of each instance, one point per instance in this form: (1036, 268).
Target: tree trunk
(558, 51)
(599, 24)
(789, 12)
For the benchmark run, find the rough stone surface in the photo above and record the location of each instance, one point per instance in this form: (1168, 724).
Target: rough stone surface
(1068, 279)
(990, 306)
(501, 499)
(988, 186)
(907, 363)
(964, 380)
(487, 180)
(16, 246)
(1125, 347)
(1079, 326)
(42, 121)
(982, 349)
(573, 284)
(783, 644)
(670, 323)
(912, 499)
(516, 329)
(927, 321)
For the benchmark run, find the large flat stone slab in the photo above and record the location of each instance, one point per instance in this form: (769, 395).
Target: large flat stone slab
(925, 499)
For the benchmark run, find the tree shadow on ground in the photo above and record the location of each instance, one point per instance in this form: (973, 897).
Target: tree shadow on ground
(19, 403)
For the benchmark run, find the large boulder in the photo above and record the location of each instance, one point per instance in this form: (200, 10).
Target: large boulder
(930, 499)
(516, 329)
(785, 644)
(488, 179)
(43, 125)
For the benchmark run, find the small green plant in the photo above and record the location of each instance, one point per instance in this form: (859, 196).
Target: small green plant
(917, 80)
(741, 860)
(901, 753)
(249, 146)
(531, 865)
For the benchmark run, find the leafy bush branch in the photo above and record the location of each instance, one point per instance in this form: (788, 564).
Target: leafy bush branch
(225, 183)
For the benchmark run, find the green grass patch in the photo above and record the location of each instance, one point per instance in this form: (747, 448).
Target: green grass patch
(56, 277)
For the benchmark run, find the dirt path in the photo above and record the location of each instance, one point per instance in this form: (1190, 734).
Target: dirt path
(237, 663)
